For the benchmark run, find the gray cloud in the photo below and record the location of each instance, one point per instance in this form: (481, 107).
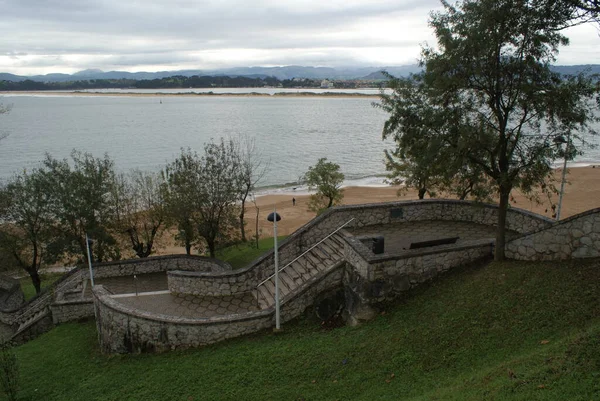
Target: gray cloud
(169, 34)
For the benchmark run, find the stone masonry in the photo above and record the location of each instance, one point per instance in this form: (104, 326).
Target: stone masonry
(575, 237)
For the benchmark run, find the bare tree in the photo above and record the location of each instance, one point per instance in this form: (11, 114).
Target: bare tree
(251, 170)
(141, 209)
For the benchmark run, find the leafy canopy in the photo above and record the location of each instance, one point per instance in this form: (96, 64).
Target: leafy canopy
(326, 178)
(488, 103)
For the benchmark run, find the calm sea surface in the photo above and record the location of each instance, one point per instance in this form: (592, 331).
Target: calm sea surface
(292, 133)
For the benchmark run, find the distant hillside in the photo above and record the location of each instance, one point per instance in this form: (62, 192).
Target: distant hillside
(281, 73)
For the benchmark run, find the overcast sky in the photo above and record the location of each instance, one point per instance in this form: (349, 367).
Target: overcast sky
(44, 36)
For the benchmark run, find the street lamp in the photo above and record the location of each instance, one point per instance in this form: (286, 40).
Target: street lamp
(559, 141)
(275, 217)
(88, 243)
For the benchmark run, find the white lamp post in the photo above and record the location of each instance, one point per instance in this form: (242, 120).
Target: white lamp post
(274, 217)
(88, 243)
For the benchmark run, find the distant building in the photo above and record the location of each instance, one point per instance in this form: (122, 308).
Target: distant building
(325, 84)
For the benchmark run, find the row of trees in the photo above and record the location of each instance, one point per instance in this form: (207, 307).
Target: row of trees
(487, 114)
(47, 212)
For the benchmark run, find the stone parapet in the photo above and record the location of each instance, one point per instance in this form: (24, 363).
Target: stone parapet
(157, 264)
(211, 284)
(575, 237)
(69, 311)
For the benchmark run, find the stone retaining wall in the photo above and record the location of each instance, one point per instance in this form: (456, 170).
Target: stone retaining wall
(375, 278)
(213, 284)
(575, 237)
(70, 311)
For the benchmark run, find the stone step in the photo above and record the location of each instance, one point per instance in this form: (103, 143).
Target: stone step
(286, 280)
(322, 254)
(317, 262)
(332, 249)
(265, 299)
(337, 240)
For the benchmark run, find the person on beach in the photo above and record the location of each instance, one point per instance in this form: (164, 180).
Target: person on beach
(293, 201)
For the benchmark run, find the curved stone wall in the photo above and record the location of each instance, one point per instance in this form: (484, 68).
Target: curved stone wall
(122, 329)
(575, 237)
(156, 264)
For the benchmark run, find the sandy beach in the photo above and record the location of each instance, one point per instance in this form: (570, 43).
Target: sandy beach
(581, 193)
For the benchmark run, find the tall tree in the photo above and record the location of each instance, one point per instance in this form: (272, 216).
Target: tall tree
(181, 191)
(141, 209)
(491, 97)
(326, 178)
(80, 193)
(251, 170)
(218, 184)
(27, 223)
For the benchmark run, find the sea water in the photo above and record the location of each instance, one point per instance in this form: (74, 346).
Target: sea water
(146, 132)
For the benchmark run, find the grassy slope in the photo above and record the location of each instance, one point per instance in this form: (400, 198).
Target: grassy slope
(475, 334)
(240, 255)
(47, 280)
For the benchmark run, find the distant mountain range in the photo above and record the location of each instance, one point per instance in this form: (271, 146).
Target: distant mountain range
(281, 73)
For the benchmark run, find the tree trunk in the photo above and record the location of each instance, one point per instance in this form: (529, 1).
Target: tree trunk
(188, 247)
(35, 279)
(501, 229)
(242, 227)
(33, 270)
(211, 247)
(330, 203)
(422, 192)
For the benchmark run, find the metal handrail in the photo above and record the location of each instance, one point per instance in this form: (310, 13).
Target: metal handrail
(305, 252)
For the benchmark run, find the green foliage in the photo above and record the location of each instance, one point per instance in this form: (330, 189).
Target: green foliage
(9, 372)
(506, 331)
(218, 183)
(181, 194)
(324, 177)
(47, 279)
(488, 104)
(28, 223)
(201, 194)
(81, 199)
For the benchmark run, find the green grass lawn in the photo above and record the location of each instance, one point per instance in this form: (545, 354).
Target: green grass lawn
(240, 255)
(506, 331)
(29, 289)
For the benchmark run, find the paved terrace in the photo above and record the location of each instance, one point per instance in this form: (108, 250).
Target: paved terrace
(153, 296)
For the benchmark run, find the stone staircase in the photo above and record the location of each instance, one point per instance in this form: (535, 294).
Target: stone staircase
(292, 276)
(31, 320)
